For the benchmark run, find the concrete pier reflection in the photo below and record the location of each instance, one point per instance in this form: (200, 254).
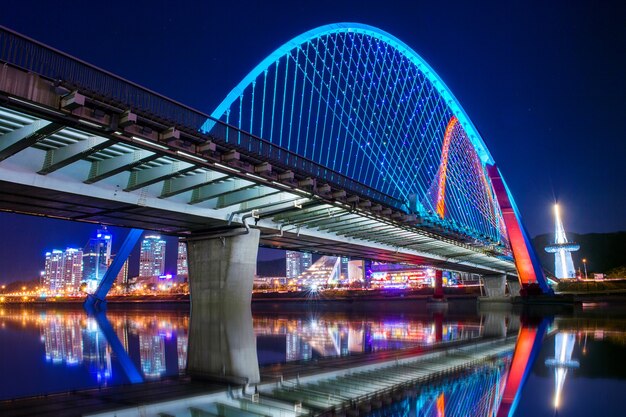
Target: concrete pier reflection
(221, 336)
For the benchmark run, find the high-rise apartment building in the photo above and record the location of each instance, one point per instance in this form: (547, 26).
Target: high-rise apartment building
(53, 271)
(72, 268)
(306, 260)
(297, 263)
(96, 258)
(182, 269)
(152, 257)
(63, 270)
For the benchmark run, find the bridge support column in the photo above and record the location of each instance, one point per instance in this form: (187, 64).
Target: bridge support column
(221, 340)
(514, 286)
(495, 285)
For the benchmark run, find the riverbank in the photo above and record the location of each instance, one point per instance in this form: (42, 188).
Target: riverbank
(576, 293)
(349, 296)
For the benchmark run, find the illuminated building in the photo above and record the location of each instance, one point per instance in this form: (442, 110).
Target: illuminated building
(53, 278)
(297, 262)
(355, 271)
(343, 269)
(96, 258)
(122, 276)
(306, 260)
(399, 276)
(326, 270)
(72, 268)
(152, 257)
(562, 249)
(182, 269)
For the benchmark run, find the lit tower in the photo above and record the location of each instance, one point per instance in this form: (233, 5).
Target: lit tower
(562, 249)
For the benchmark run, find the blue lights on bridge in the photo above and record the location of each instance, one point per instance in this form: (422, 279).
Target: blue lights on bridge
(359, 101)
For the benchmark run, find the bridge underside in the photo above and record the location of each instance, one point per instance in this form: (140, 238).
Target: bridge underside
(24, 199)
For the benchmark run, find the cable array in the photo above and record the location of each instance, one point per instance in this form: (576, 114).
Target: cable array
(360, 105)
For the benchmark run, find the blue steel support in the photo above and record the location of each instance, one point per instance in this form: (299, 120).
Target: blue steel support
(133, 375)
(97, 299)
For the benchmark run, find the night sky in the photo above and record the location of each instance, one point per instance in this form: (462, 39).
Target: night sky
(544, 83)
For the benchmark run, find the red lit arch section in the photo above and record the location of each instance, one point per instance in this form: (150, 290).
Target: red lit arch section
(440, 206)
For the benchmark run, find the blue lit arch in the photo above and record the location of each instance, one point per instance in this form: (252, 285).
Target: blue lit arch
(361, 102)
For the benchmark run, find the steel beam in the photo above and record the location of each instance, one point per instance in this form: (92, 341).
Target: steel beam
(324, 214)
(284, 199)
(208, 192)
(178, 185)
(335, 219)
(345, 222)
(112, 166)
(245, 195)
(144, 177)
(296, 204)
(61, 157)
(97, 299)
(387, 236)
(304, 213)
(370, 231)
(26, 136)
(365, 221)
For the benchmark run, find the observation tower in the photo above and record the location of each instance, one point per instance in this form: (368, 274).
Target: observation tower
(562, 249)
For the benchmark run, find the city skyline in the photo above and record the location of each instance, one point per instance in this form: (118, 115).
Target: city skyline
(70, 269)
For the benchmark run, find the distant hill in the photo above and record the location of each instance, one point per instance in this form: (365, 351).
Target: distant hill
(603, 251)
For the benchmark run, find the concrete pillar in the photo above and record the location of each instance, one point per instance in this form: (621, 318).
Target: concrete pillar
(514, 286)
(221, 339)
(438, 284)
(494, 285)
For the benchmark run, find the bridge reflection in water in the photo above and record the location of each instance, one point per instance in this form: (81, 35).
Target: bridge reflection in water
(434, 363)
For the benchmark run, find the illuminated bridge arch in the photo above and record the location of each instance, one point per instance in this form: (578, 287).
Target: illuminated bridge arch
(359, 101)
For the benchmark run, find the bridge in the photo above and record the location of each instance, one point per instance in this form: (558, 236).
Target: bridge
(343, 141)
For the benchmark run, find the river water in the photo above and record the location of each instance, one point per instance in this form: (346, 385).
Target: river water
(577, 369)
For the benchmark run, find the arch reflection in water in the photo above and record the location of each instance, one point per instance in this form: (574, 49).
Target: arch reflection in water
(475, 393)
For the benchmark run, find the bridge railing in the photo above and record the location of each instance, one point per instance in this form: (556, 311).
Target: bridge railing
(73, 73)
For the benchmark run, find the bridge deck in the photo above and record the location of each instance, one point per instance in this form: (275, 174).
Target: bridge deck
(82, 144)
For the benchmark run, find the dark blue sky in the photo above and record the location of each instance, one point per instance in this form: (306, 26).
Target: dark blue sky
(542, 81)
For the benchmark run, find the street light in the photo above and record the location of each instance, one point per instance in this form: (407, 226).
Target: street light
(585, 266)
